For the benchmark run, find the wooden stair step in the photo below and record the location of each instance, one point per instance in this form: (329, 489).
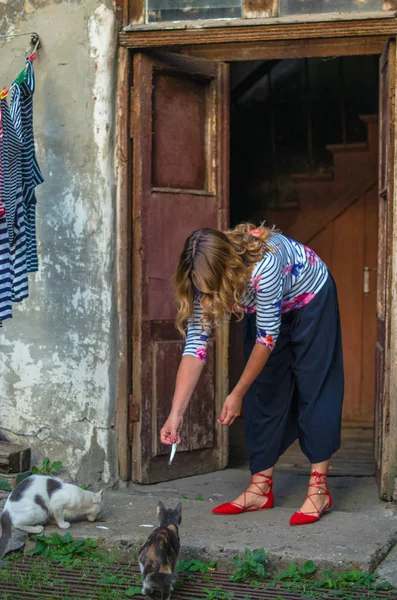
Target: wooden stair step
(312, 177)
(304, 232)
(353, 459)
(369, 118)
(340, 148)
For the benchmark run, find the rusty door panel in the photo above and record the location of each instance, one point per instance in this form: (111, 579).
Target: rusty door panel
(172, 217)
(198, 431)
(180, 165)
(179, 132)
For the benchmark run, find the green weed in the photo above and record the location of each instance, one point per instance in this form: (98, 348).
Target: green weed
(64, 549)
(252, 566)
(217, 594)
(22, 476)
(132, 591)
(5, 485)
(295, 573)
(353, 580)
(342, 584)
(195, 566)
(48, 468)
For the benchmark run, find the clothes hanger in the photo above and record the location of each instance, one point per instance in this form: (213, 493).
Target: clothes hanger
(35, 44)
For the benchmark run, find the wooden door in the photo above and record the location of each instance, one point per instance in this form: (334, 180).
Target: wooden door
(343, 231)
(180, 128)
(348, 245)
(385, 394)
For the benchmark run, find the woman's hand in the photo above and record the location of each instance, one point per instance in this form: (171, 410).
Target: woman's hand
(170, 431)
(231, 409)
(233, 403)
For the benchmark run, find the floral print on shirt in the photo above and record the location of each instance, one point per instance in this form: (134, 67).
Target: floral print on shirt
(278, 305)
(256, 282)
(265, 339)
(201, 353)
(294, 269)
(249, 310)
(311, 255)
(298, 302)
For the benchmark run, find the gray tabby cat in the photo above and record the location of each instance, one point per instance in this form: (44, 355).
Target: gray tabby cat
(158, 557)
(40, 499)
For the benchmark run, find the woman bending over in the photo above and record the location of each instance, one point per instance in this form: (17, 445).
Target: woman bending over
(292, 383)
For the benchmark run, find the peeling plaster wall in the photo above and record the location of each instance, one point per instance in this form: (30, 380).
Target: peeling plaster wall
(58, 355)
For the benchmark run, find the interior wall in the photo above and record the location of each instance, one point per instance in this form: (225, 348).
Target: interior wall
(270, 126)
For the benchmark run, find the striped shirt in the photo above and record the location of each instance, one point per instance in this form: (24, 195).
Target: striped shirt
(13, 200)
(22, 114)
(286, 279)
(19, 176)
(6, 272)
(11, 195)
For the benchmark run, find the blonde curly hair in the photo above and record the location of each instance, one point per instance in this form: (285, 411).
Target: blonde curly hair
(216, 267)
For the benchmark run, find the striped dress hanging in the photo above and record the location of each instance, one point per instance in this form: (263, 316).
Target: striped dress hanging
(14, 204)
(22, 113)
(6, 271)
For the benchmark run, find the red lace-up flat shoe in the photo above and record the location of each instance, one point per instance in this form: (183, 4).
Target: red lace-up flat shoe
(231, 508)
(300, 518)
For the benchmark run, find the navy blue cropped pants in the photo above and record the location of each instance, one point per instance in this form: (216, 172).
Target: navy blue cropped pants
(299, 393)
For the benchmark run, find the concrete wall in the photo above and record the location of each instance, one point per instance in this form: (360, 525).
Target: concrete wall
(58, 355)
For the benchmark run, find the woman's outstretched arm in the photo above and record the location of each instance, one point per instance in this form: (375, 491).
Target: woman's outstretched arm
(187, 378)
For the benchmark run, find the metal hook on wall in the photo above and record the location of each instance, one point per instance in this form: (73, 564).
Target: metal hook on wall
(31, 55)
(35, 44)
(35, 41)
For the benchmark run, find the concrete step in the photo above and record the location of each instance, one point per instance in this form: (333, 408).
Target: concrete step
(357, 533)
(340, 541)
(387, 570)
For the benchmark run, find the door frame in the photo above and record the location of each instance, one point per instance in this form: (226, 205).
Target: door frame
(258, 42)
(123, 260)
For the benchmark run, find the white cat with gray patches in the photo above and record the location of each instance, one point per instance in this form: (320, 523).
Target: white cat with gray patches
(40, 499)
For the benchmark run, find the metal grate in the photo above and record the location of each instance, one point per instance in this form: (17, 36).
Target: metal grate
(32, 579)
